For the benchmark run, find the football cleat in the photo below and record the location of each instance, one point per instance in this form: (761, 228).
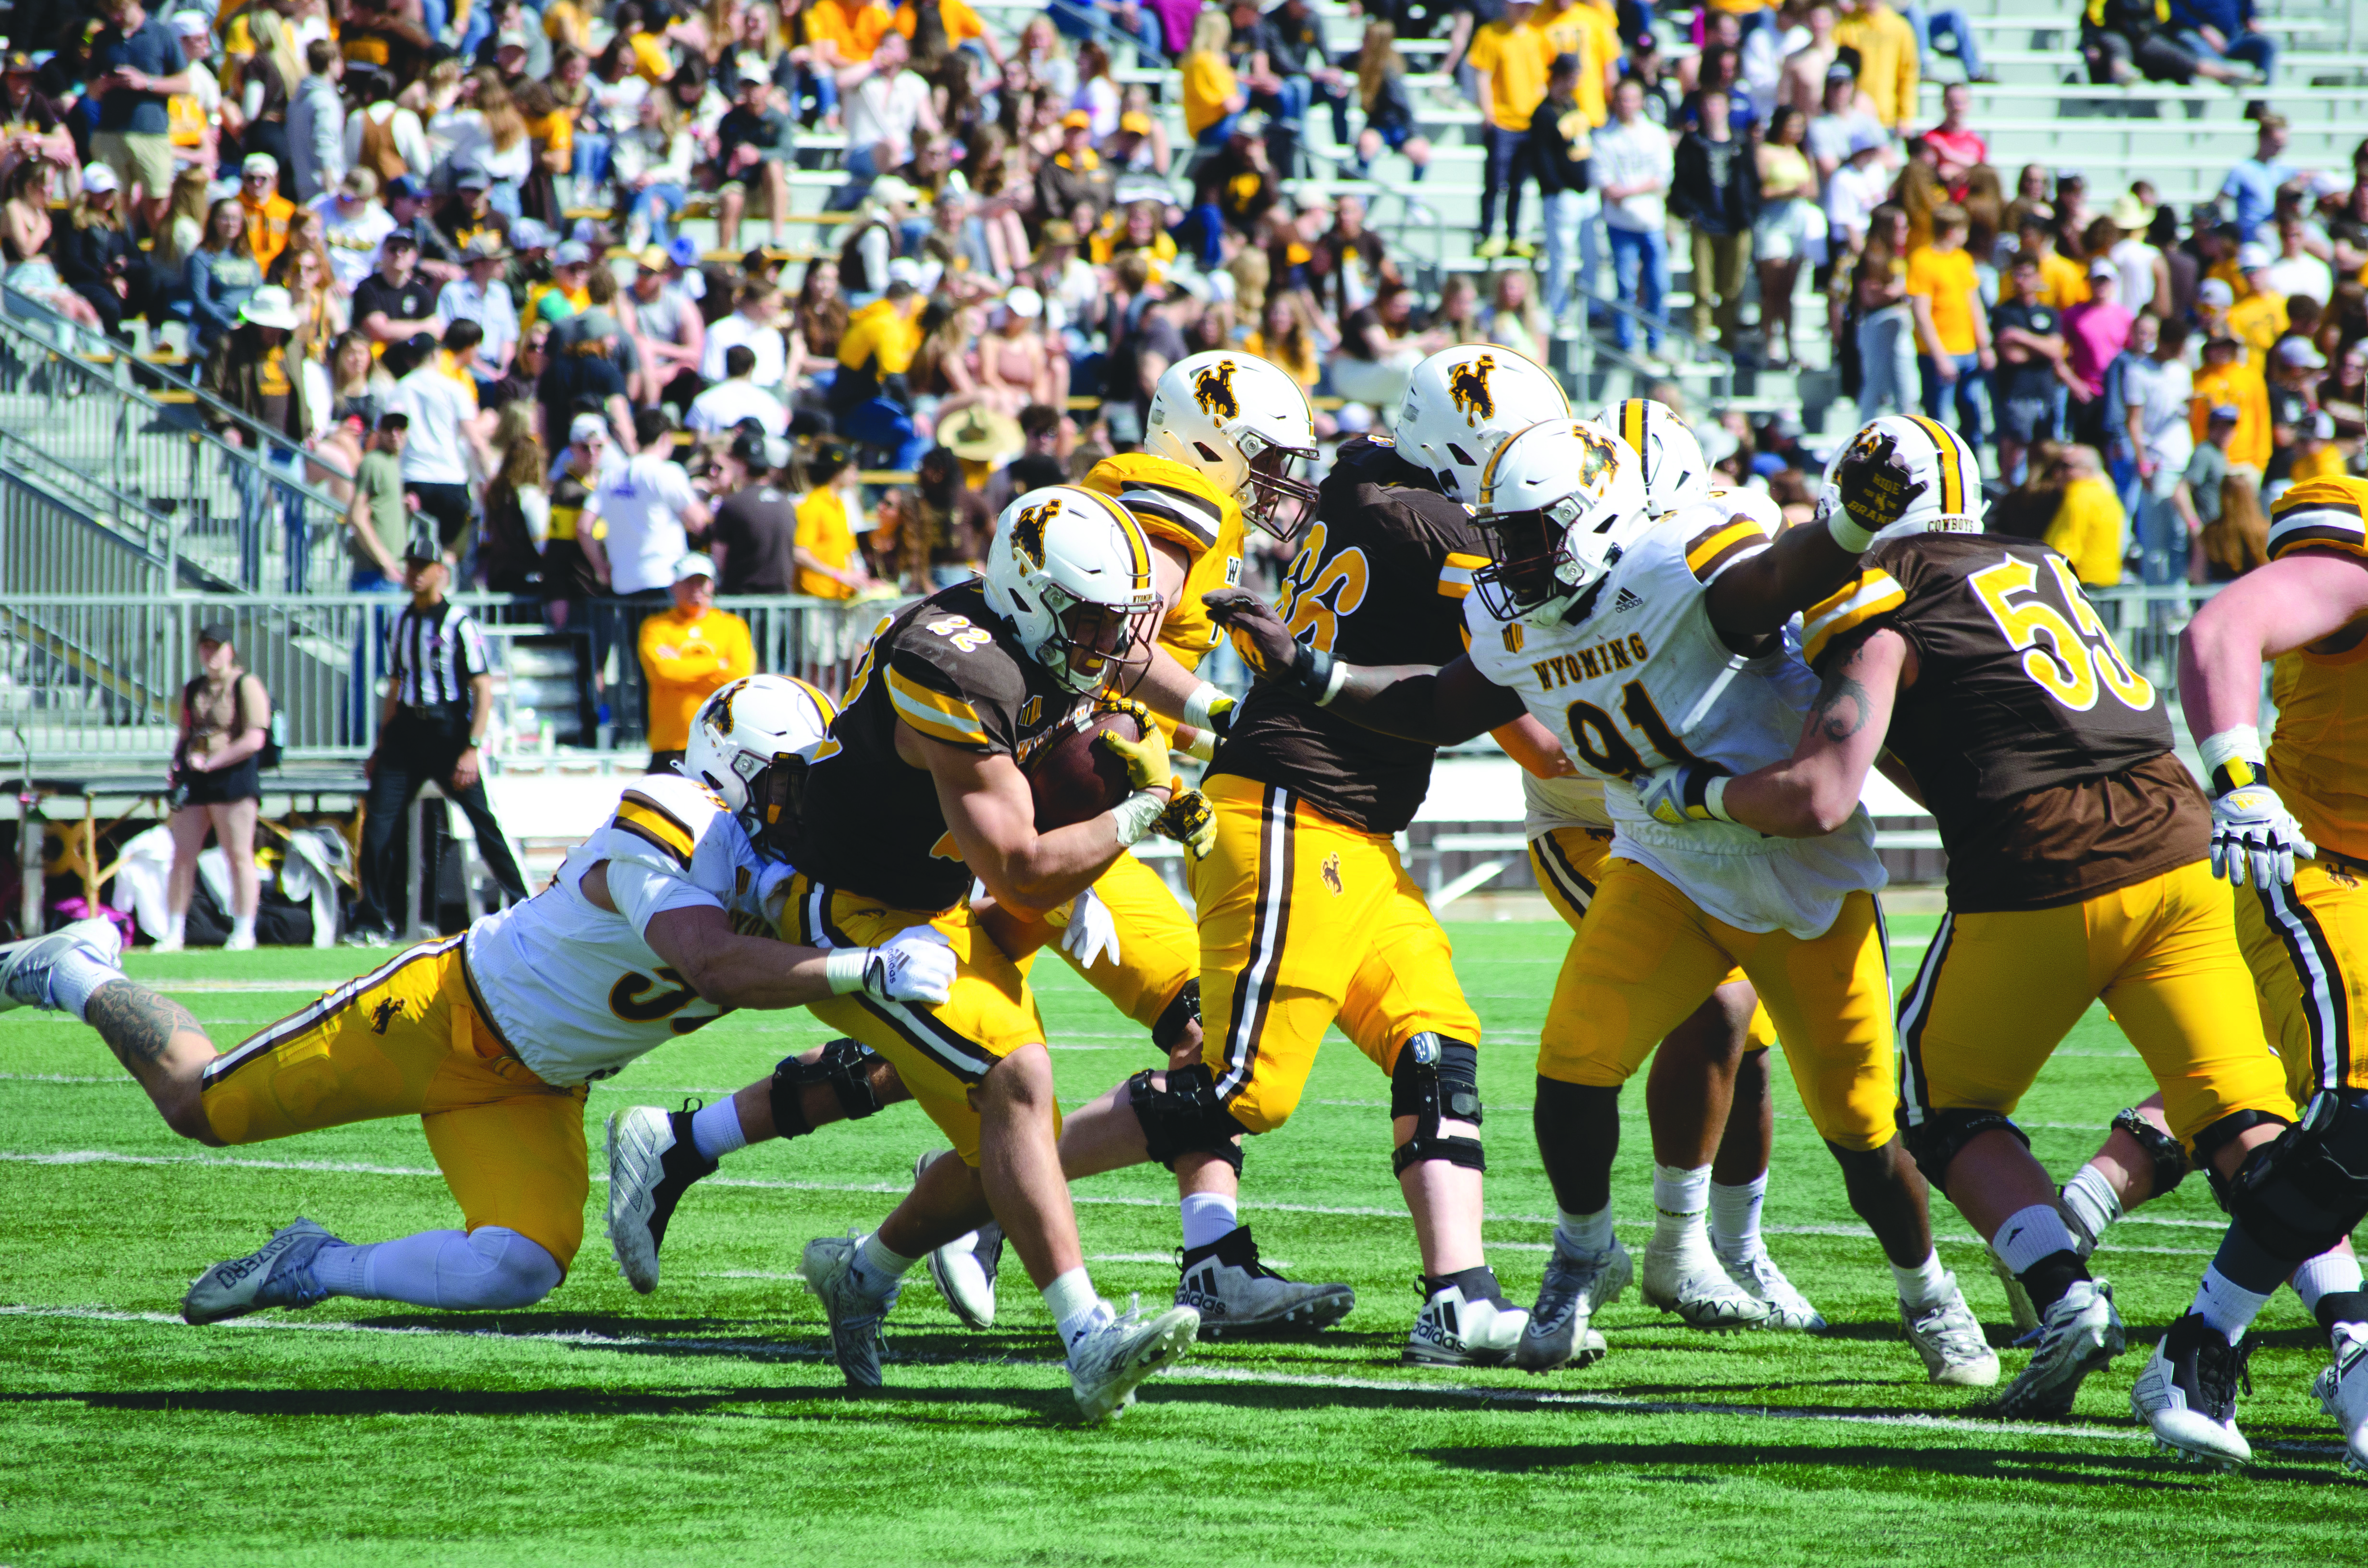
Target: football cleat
(1111, 1358)
(856, 1313)
(2187, 1392)
(1236, 1295)
(2342, 1391)
(1457, 1330)
(276, 1273)
(2075, 1337)
(963, 1269)
(1788, 1310)
(1685, 1276)
(2017, 1299)
(25, 966)
(1561, 1331)
(1949, 1339)
(653, 1160)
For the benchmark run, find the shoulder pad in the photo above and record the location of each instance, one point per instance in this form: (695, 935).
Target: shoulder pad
(1170, 499)
(1857, 604)
(2323, 512)
(951, 679)
(662, 819)
(1718, 535)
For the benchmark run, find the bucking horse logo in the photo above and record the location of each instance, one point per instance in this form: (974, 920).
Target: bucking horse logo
(1212, 389)
(1027, 530)
(1467, 388)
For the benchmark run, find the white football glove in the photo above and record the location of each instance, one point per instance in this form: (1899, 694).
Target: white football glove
(1679, 795)
(1092, 932)
(917, 964)
(2253, 833)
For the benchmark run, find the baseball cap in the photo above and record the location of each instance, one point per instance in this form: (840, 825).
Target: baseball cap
(404, 187)
(1076, 119)
(597, 323)
(2298, 353)
(696, 564)
(586, 427)
(421, 546)
(2225, 412)
(527, 233)
(2216, 292)
(469, 175)
(403, 237)
(259, 164)
(1135, 123)
(193, 24)
(1024, 303)
(2252, 256)
(905, 270)
(683, 251)
(2100, 267)
(98, 178)
(484, 245)
(575, 253)
(512, 38)
(653, 258)
(1838, 73)
(2130, 213)
(215, 631)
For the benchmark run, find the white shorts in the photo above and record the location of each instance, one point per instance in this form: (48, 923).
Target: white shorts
(1788, 231)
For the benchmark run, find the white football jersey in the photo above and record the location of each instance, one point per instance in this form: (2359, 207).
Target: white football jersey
(1573, 800)
(1646, 680)
(573, 987)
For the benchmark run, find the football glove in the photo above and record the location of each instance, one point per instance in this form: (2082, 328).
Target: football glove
(917, 964)
(1875, 485)
(1146, 759)
(1266, 644)
(2254, 834)
(1091, 932)
(1188, 821)
(1679, 795)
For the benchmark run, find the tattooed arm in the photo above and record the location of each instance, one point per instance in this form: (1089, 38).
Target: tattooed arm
(161, 1045)
(1815, 789)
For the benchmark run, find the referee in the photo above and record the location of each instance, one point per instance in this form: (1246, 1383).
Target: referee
(439, 701)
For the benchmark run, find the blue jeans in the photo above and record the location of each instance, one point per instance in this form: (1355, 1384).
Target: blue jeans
(1640, 262)
(258, 497)
(882, 423)
(1934, 24)
(1508, 166)
(656, 205)
(1573, 221)
(2162, 537)
(370, 627)
(1886, 362)
(861, 169)
(1203, 228)
(1959, 404)
(591, 160)
(2257, 50)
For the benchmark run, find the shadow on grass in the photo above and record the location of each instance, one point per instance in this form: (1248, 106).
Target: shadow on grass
(2117, 1471)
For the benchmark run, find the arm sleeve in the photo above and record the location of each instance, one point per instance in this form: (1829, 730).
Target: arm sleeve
(642, 892)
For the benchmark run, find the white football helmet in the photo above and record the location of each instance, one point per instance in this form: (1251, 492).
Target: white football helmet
(1071, 571)
(743, 741)
(1243, 422)
(1676, 473)
(1561, 501)
(1951, 501)
(1461, 405)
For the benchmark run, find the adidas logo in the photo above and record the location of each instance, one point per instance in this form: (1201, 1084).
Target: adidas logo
(1627, 600)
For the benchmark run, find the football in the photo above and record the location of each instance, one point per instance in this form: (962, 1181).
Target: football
(1074, 776)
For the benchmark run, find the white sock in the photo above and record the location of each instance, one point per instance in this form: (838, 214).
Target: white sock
(2091, 1201)
(715, 1128)
(242, 928)
(1924, 1286)
(2330, 1273)
(491, 1267)
(1590, 1235)
(1680, 1198)
(1208, 1217)
(878, 1265)
(2227, 1305)
(2032, 1233)
(1076, 1309)
(74, 977)
(176, 927)
(1735, 1218)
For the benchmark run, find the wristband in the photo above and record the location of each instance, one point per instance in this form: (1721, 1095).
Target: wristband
(1209, 709)
(1317, 676)
(842, 968)
(1714, 797)
(2233, 757)
(1204, 747)
(1133, 817)
(1845, 532)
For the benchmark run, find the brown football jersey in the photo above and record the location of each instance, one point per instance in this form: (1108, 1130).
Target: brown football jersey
(2045, 756)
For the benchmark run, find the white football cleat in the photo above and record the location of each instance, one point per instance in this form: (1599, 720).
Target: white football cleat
(1561, 1331)
(1457, 1330)
(964, 1269)
(25, 966)
(1685, 1276)
(1949, 1338)
(1111, 1358)
(2017, 1299)
(653, 1160)
(2187, 1392)
(2075, 1337)
(2342, 1391)
(1788, 1310)
(1237, 1295)
(856, 1313)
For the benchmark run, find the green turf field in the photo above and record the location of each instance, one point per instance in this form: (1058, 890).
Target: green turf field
(706, 1424)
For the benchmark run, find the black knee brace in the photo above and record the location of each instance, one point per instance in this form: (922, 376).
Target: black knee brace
(1936, 1141)
(1182, 1013)
(2306, 1192)
(2221, 1133)
(1185, 1117)
(1437, 1080)
(2169, 1160)
(845, 1064)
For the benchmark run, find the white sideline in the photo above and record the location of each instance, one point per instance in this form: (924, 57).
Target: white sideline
(773, 1351)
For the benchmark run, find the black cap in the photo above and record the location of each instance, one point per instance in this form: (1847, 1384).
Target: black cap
(215, 631)
(423, 546)
(749, 446)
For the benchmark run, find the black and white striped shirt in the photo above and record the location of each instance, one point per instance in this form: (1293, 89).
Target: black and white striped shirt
(432, 653)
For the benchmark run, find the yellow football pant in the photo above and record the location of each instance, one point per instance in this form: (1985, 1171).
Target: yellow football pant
(2308, 947)
(1304, 921)
(1646, 957)
(941, 1053)
(407, 1039)
(1158, 950)
(1570, 863)
(1997, 991)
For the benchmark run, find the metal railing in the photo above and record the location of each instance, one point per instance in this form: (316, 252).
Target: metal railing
(88, 679)
(150, 471)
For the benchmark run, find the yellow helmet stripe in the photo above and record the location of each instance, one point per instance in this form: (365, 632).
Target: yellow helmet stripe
(828, 709)
(1632, 424)
(1488, 469)
(1138, 548)
(1953, 472)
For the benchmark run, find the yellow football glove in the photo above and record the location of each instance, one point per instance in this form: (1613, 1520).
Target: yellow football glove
(1146, 759)
(1188, 821)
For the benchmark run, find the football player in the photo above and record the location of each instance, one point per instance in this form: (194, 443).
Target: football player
(1639, 645)
(1305, 914)
(2078, 872)
(491, 1037)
